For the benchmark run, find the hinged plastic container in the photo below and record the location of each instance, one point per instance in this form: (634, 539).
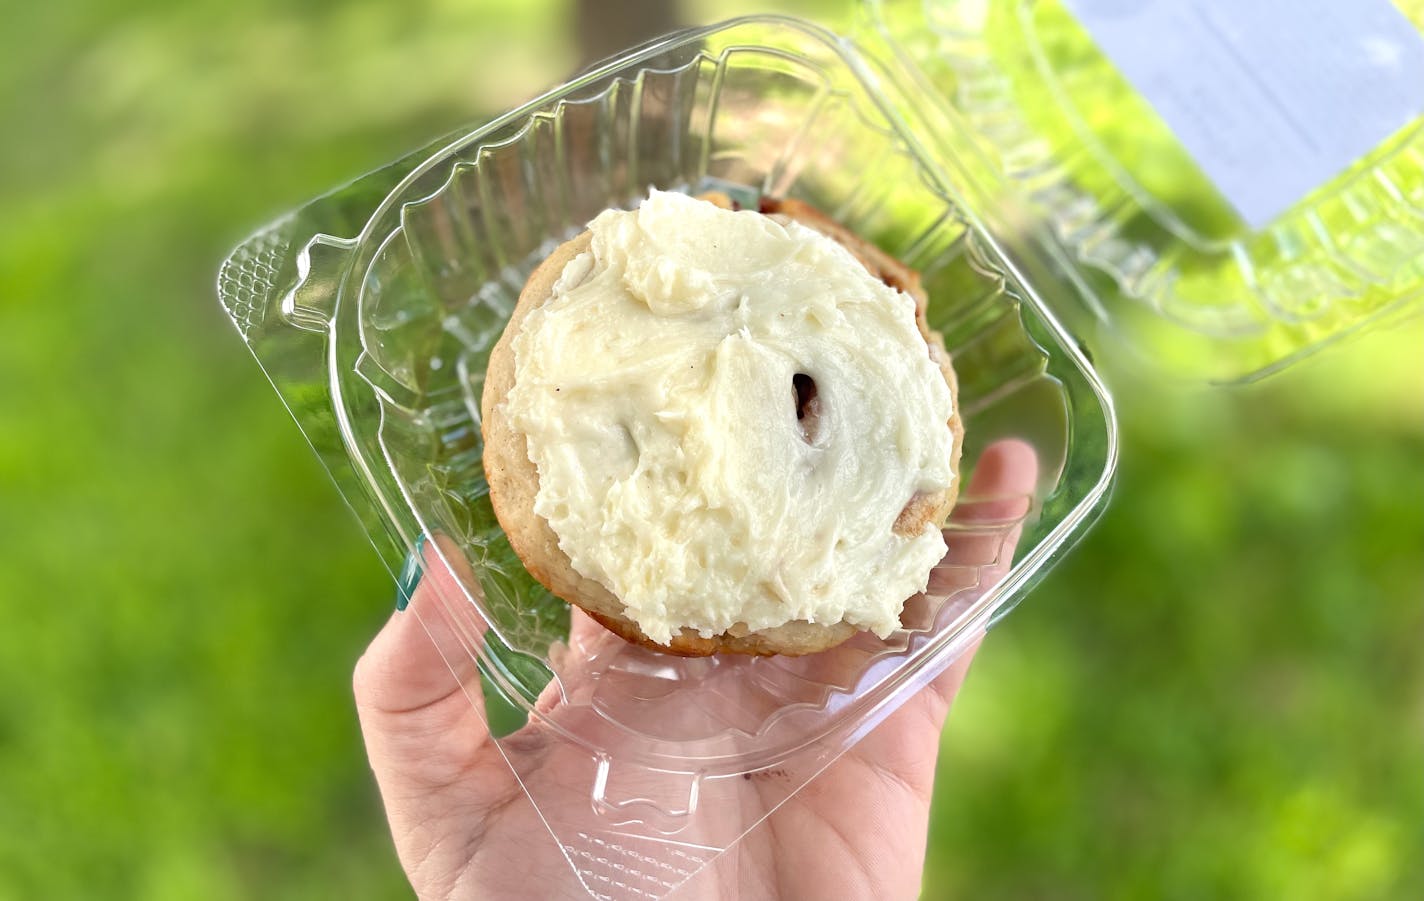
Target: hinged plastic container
(969, 140)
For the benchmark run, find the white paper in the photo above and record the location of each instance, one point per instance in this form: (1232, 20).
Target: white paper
(1272, 98)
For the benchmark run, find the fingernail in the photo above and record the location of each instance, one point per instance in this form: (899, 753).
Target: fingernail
(410, 574)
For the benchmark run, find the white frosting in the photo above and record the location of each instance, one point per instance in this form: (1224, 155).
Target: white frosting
(655, 389)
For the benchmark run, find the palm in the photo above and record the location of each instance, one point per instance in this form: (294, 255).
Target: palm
(858, 829)
(464, 829)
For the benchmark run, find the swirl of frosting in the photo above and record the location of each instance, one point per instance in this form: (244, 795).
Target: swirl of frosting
(728, 413)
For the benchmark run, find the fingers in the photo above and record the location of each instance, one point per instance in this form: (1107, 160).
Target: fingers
(583, 630)
(985, 526)
(1002, 484)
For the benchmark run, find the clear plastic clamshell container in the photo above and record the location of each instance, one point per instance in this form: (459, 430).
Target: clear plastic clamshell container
(957, 136)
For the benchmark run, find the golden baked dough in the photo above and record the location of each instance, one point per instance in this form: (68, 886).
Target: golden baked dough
(514, 479)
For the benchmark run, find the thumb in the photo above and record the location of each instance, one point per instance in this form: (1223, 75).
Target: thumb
(417, 687)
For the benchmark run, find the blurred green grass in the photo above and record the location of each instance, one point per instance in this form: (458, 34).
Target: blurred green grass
(1218, 694)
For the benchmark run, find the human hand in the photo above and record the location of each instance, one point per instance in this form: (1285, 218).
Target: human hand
(463, 827)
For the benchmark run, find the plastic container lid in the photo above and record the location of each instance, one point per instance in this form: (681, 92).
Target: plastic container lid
(989, 145)
(1230, 185)
(374, 308)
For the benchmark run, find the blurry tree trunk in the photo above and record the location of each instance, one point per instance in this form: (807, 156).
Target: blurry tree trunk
(605, 27)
